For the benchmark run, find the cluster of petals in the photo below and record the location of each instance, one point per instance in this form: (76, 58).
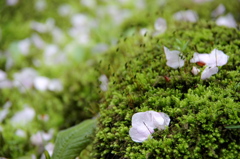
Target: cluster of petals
(144, 123)
(212, 60)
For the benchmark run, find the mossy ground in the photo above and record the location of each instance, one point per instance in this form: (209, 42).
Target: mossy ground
(199, 109)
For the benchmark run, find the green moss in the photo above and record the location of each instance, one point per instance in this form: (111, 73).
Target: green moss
(199, 109)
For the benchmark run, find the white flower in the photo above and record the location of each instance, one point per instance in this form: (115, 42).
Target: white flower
(40, 5)
(24, 79)
(23, 117)
(227, 21)
(3, 75)
(188, 16)
(24, 46)
(195, 70)
(41, 83)
(20, 133)
(202, 1)
(65, 10)
(218, 11)
(12, 2)
(40, 137)
(38, 41)
(173, 58)
(55, 85)
(144, 123)
(212, 60)
(160, 25)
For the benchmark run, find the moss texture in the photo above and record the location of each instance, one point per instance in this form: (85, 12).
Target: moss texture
(199, 109)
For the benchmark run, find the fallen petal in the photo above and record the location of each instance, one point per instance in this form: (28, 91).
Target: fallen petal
(208, 72)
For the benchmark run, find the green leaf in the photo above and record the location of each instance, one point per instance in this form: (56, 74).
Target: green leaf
(47, 156)
(71, 142)
(232, 126)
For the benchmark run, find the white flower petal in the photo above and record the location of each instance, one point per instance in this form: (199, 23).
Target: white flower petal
(139, 135)
(219, 58)
(21, 133)
(195, 70)
(227, 21)
(188, 16)
(3, 75)
(208, 72)
(41, 83)
(173, 59)
(160, 25)
(219, 10)
(23, 117)
(143, 119)
(197, 57)
(55, 85)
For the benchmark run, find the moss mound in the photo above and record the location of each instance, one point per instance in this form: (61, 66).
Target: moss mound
(199, 109)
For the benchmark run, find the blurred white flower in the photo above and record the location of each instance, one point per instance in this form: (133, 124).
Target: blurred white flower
(53, 55)
(195, 70)
(188, 16)
(202, 1)
(5, 111)
(104, 82)
(160, 25)
(88, 3)
(219, 10)
(40, 137)
(21, 133)
(38, 41)
(65, 10)
(173, 58)
(144, 123)
(227, 20)
(3, 75)
(40, 5)
(100, 48)
(50, 147)
(43, 28)
(24, 46)
(11, 2)
(24, 79)
(79, 20)
(58, 35)
(55, 85)
(23, 117)
(41, 83)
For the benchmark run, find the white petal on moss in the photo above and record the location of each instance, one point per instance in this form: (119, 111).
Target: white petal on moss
(23, 117)
(160, 25)
(227, 21)
(197, 57)
(195, 70)
(219, 10)
(173, 58)
(218, 58)
(188, 16)
(144, 123)
(139, 135)
(208, 72)
(12, 2)
(24, 46)
(202, 1)
(142, 120)
(41, 83)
